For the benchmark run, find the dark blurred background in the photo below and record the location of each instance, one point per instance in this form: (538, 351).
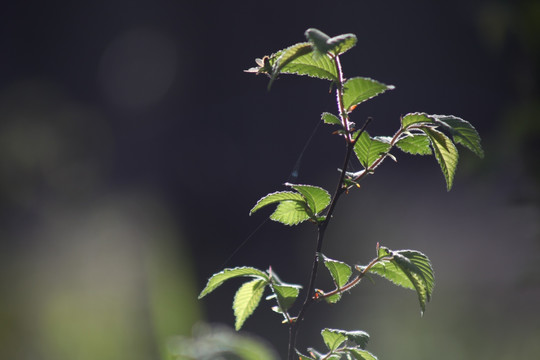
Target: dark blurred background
(132, 147)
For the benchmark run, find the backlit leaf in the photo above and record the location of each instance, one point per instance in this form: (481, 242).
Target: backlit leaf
(317, 198)
(219, 278)
(276, 197)
(330, 119)
(291, 212)
(287, 56)
(359, 89)
(415, 119)
(340, 271)
(368, 149)
(286, 294)
(415, 144)
(332, 339)
(391, 271)
(321, 67)
(246, 300)
(299, 61)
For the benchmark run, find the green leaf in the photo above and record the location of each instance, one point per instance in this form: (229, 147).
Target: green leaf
(286, 294)
(291, 212)
(332, 299)
(383, 251)
(389, 270)
(407, 268)
(422, 265)
(246, 300)
(358, 337)
(330, 119)
(341, 43)
(333, 338)
(320, 67)
(319, 41)
(368, 149)
(415, 144)
(361, 354)
(323, 43)
(415, 119)
(294, 208)
(445, 153)
(277, 197)
(317, 198)
(462, 132)
(287, 56)
(359, 89)
(340, 271)
(297, 59)
(219, 278)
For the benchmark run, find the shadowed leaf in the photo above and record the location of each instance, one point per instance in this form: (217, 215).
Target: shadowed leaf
(445, 153)
(462, 132)
(408, 268)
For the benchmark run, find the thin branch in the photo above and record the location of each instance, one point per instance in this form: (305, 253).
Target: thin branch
(340, 189)
(356, 280)
(378, 162)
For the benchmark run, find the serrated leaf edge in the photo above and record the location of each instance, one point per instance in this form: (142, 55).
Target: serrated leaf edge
(255, 294)
(256, 273)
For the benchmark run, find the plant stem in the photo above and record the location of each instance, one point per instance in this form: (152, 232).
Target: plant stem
(340, 189)
(344, 117)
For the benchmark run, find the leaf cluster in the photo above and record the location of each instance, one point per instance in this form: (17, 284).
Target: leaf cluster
(418, 134)
(342, 344)
(306, 202)
(249, 294)
(407, 268)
